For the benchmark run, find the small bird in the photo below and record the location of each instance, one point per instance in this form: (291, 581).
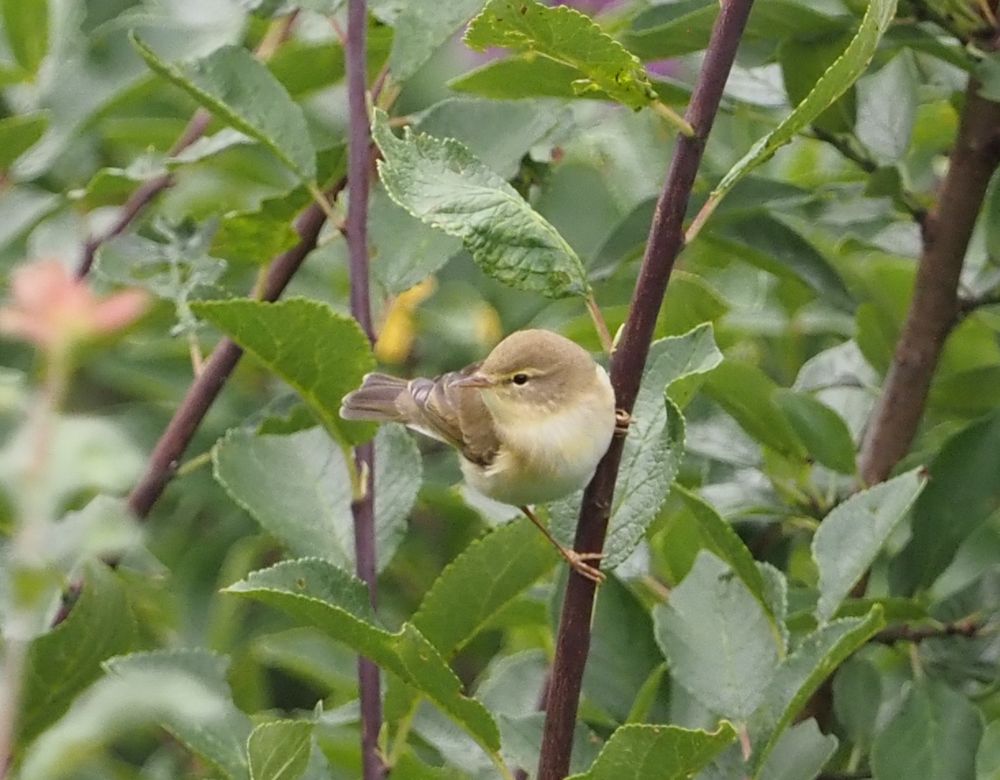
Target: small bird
(530, 422)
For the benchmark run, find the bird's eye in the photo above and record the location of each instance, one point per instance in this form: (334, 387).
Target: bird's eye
(519, 379)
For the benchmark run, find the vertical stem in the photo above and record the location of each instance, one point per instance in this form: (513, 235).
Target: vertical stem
(358, 172)
(666, 239)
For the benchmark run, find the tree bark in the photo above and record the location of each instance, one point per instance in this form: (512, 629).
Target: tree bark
(935, 306)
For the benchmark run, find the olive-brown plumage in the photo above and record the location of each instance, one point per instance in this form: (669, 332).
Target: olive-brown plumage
(530, 422)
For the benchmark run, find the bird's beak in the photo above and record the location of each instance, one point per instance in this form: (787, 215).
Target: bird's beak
(475, 380)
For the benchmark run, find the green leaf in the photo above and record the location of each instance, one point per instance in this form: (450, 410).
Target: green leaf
(642, 751)
(834, 83)
(254, 237)
(655, 444)
(409, 767)
(422, 28)
(821, 429)
(26, 24)
(405, 251)
(568, 37)
(672, 29)
(988, 754)
(718, 537)
(645, 697)
(310, 655)
(398, 476)
(442, 183)
(933, 736)
(529, 76)
(770, 244)
(174, 269)
(887, 108)
(803, 671)
(649, 465)
(19, 133)
(747, 394)
(179, 690)
(220, 739)
(297, 487)
(623, 651)
(801, 752)
(479, 582)
(319, 594)
(322, 354)
(99, 626)
(852, 535)
(967, 465)
(498, 132)
(244, 94)
(279, 750)
(718, 639)
(304, 67)
(857, 694)
(803, 62)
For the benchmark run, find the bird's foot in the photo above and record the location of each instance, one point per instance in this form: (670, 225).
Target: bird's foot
(578, 562)
(622, 421)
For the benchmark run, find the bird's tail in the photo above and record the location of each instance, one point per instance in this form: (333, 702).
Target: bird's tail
(375, 400)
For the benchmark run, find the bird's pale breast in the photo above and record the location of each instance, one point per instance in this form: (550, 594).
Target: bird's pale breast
(548, 453)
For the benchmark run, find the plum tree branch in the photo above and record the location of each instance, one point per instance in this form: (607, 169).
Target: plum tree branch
(666, 239)
(935, 307)
(356, 232)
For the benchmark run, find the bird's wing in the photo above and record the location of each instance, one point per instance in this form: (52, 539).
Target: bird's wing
(456, 415)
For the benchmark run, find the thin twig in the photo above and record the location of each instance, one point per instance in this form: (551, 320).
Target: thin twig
(356, 225)
(968, 305)
(968, 627)
(666, 238)
(599, 324)
(146, 192)
(853, 152)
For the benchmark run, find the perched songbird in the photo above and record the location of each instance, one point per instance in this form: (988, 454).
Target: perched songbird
(530, 422)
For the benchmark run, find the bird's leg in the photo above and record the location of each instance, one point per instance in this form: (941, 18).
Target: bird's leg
(622, 421)
(577, 560)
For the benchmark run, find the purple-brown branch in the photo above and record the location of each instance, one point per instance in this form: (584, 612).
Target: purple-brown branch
(665, 242)
(356, 229)
(203, 391)
(935, 307)
(143, 195)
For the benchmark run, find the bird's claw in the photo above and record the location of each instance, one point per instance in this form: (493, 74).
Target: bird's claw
(578, 562)
(622, 421)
